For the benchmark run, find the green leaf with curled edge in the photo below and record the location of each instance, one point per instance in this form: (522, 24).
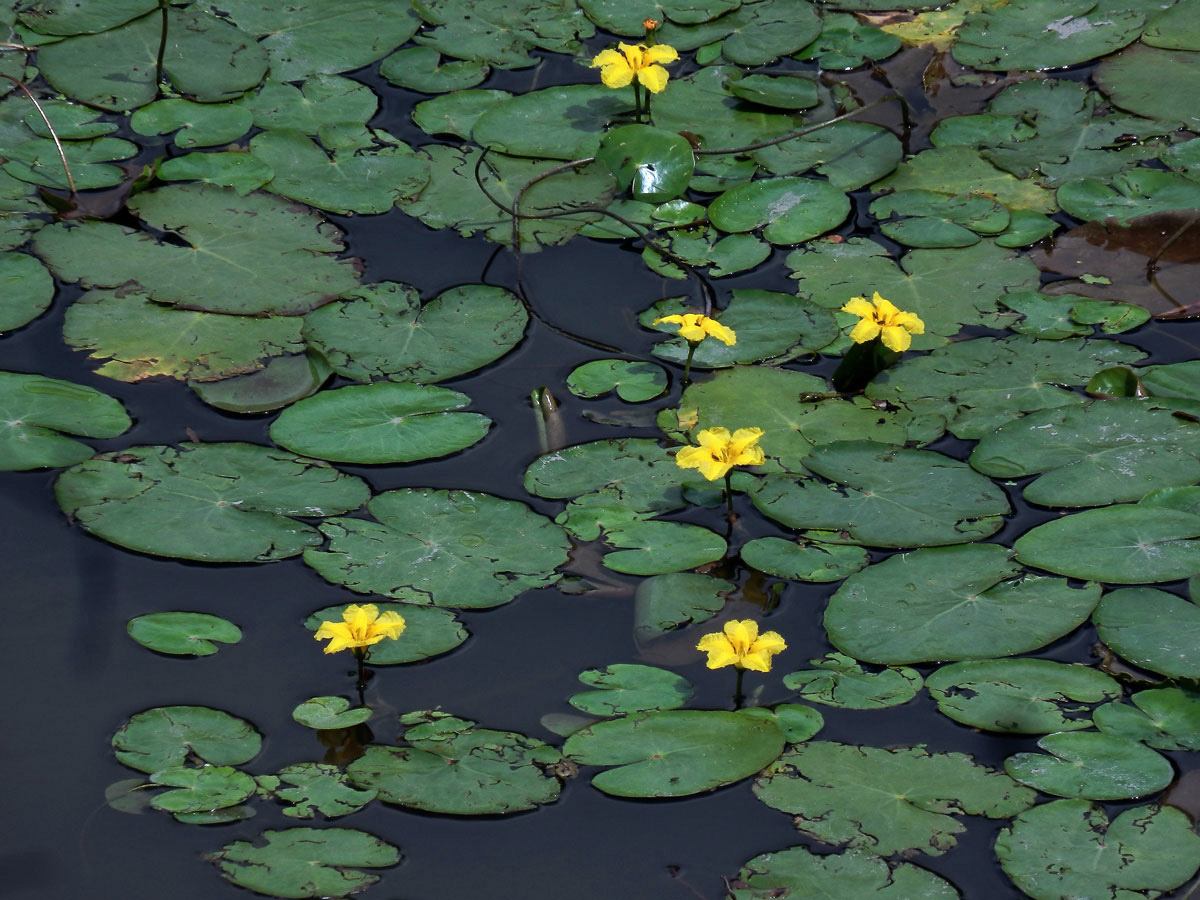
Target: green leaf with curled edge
(1134, 80)
(675, 753)
(201, 790)
(634, 382)
(886, 801)
(170, 735)
(183, 633)
(319, 788)
(218, 502)
(839, 681)
(622, 689)
(797, 721)
(1068, 848)
(36, 414)
(451, 766)
(666, 602)
(430, 631)
(283, 380)
(952, 603)
(852, 875)
(1022, 696)
(324, 713)
(1137, 192)
(654, 165)
(788, 209)
(1091, 765)
(921, 218)
(252, 255)
(384, 331)
(449, 548)
(422, 69)
(803, 561)
(777, 91)
(305, 862)
(384, 422)
(1152, 629)
(1165, 718)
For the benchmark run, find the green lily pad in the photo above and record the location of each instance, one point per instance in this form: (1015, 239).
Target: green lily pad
(1045, 34)
(1134, 79)
(846, 43)
(312, 37)
(1107, 452)
(384, 331)
(656, 548)
(36, 414)
(803, 561)
(65, 18)
(183, 633)
(886, 801)
(797, 721)
(1091, 765)
(251, 255)
(503, 33)
(634, 382)
(194, 124)
(330, 712)
(675, 753)
(1025, 696)
(421, 69)
(1068, 848)
(923, 218)
(852, 875)
(838, 680)
(305, 862)
(220, 502)
(448, 548)
(201, 790)
(206, 58)
(140, 338)
(1124, 544)
(386, 422)
(22, 210)
(770, 29)
(978, 385)
(952, 603)
(38, 162)
(777, 91)
(1165, 718)
(561, 122)
(430, 631)
(1112, 317)
(769, 325)
(946, 288)
(1152, 629)
(319, 788)
(1174, 28)
(171, 735)
(666, 602)
(963, 170)
(653, 164)
(880, 497)
(1046, 316)
(241, 171)
(1025, 228)
(451, 766)
(316, 107)
(850, 154)
(456, 113)
(789, 209)
(1136, 192)
(283, 380)
(623, 689)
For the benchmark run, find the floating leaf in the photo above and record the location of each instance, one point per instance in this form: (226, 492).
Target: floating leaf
(169, 735)
(448, 765)
(1165, 718)
(316, 107)
(1128, 195)
(778, 91)
(653, 164)
(806, 561)
(789, 209)
(140, 338)
(846, 43)
(386, 422)
(1134, 80)
(921, 218)
(770, 29)
(886, 801)
(838, 680)
(56, 17)
(201, 790)
(1068, 848)
(634, 382)
(623, 689)
(220, 502)
(853, 875)
(183, 633)
(38, 162)
(421, 69)
(241, 171)
(850, 154)
(561, 122)
(330, 712)
(503, 33)
(194, 124)
(429, 631)
(963, 170)
(1124, 544)
(666, 602)
(283, 380)
(250, 255)
(456, 113)
(1107, 452)
(449, 548)
(35, 411)
(319, 788)
(880, 497)
(1091, 765)
(951, 603)
(383, 331)
(656, 548)
(1152, 629)
(22, 210)
(1025, 696)
(305, 862)
(675, 753)
(796, 721)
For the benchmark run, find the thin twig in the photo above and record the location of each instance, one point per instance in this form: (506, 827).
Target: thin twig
(162, 50)
(62, 154)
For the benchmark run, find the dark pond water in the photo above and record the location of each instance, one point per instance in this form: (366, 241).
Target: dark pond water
(73, 676)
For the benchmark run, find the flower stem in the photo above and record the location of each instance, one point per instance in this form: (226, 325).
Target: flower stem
(637, 99)
(687, 366)
(738, 696)
(647, 107)
(360, 657)
(729, 498)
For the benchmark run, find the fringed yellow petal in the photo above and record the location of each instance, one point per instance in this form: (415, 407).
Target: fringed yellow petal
(865, 330)
(661, 53)
(654, 78)
(859, 306)
(725, 335)
(896, 339)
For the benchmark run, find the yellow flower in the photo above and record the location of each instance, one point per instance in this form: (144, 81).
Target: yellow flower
(619, 67)
(881, 317)
(361, 626)
(741, 645)
(718, 452)
(694, 328)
